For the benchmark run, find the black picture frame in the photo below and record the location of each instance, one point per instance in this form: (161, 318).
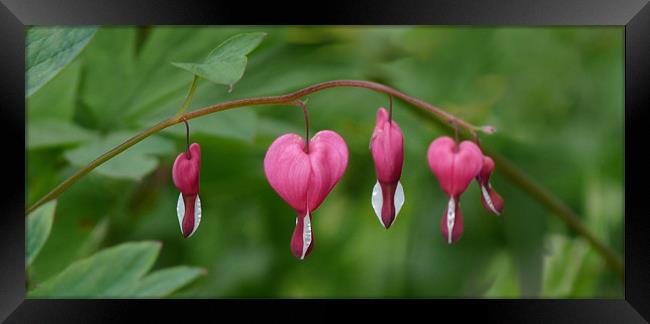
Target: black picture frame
(634, 15)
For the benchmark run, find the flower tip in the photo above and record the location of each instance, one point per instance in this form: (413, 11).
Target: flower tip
(188, 210)
(387, 201)
(302, 241)
(451, 225)
(488, 129)
(492, 201)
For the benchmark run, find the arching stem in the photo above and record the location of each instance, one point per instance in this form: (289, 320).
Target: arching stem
(518, 177)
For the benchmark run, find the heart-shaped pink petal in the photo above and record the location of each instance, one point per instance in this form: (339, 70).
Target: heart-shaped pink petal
(185, 171)
(455, 166)
(387, 148)
(304, 179)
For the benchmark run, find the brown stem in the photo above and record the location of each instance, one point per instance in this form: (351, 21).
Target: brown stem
(187, 139)
(303, 106)
(390, 109)
(530, 186)
(257, 101)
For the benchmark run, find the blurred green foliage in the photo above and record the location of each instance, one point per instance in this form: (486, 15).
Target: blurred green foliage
(554, 94)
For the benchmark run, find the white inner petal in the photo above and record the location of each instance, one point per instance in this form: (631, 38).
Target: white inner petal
(306, 235)
(399, 199)
(197, 214)
(377, 202)
(451, 217)
(488, 200)
(180, 210)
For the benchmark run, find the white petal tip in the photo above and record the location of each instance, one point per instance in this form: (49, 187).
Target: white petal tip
(399, 199)
(488, 200)
(451, 218)
(377, 202)
(180, 212)
(306, 236)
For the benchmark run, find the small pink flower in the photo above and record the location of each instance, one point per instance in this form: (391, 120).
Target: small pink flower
(491, 200)
(185, 174)
(455, 166)
(387, 147)
(304, 178)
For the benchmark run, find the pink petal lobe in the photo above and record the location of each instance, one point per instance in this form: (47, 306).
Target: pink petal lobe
(388, 207)
(387, 148)
(186, 169)
(454, 166)
(486, 170)
(189, 217)
(491, 200)
(328, 155)
(287, 168)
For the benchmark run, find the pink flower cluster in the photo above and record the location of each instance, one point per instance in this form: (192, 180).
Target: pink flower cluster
(456, 165)
(304, 173)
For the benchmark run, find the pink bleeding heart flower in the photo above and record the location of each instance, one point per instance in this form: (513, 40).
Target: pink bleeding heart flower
(491, 199)
(185, 174)
(387, 147)
(455, 166)
(304, 177)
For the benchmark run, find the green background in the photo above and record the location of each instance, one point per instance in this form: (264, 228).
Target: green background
(554, 94)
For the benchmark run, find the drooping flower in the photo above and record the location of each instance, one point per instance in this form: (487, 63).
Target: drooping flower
(304, 176)
(185, 174)
(387, 147)
(455, 166)
(492, 201)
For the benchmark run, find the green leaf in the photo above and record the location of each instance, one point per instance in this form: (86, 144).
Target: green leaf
(503, 278)
(39, 224)
(133, 164)
(108, 273)
(94, 240)
(562, 263)
(226, 63)
(49, 49)
(57, 99)
(53, 133)
(146, 88)
(164, 282)
(110, 76)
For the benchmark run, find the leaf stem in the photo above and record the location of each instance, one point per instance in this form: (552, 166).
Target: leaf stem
(535, 190)
(190, 95)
